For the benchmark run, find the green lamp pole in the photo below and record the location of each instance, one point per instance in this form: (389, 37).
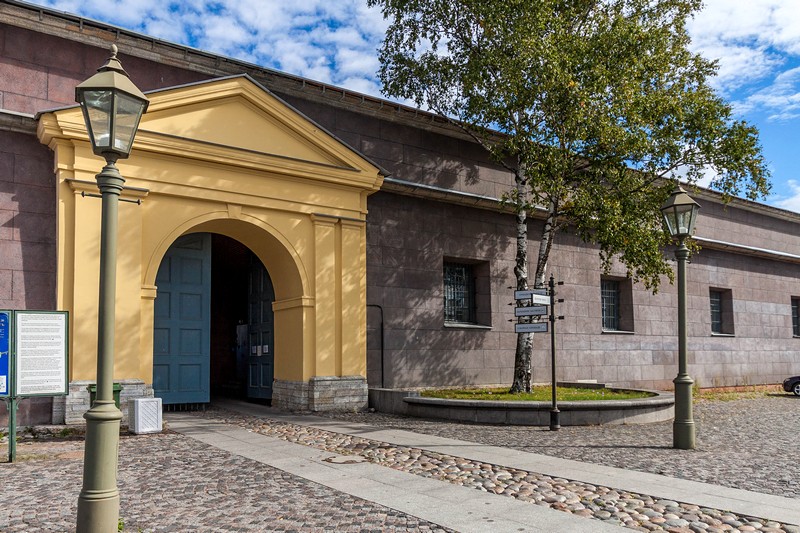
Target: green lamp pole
(680, 213)
(112, 107)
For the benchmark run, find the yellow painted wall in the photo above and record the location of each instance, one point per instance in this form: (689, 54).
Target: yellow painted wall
(225, 157)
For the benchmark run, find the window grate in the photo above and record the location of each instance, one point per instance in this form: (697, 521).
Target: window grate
(459, 293)
(716, 311)
(609, 295)
(796, 317)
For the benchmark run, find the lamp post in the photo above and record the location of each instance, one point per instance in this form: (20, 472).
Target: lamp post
(680, 213)
(112, 107)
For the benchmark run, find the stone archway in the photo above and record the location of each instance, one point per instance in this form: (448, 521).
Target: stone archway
(227, 157)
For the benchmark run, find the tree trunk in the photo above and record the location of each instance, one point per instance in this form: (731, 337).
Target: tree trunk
(522, 357)
(545, 245)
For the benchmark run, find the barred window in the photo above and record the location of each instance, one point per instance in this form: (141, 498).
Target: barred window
(609, 295)
(796, 317)
(716, 311)
(721, 304)
(459, 293)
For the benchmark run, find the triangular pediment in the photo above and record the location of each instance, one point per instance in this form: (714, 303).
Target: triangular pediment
(240, 114)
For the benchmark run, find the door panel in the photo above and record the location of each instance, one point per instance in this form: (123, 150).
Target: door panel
(261, 323)
(181, 332)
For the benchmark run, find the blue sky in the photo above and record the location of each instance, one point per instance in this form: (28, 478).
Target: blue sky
(757, 43)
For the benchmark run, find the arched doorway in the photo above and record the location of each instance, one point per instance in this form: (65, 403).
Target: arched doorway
(222, 157)
(213, 327)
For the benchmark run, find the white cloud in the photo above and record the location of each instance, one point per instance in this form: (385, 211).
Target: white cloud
(362, 85)
(781, 99)
(792, 202)
(356, 62)
(753, 41)
(333, 42)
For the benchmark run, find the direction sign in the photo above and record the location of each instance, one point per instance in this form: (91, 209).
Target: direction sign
(540, 299)
(526, 295)
(536, 327)
(536, 310)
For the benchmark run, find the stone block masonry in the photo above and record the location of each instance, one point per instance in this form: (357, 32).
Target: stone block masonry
(324, 393)
(70, 409)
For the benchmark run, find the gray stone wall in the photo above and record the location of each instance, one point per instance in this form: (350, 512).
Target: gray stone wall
(291, 395)
(27, 223)
(27, 240)
(409, 238)
(324, 393)
(40, 71)
(70, 409)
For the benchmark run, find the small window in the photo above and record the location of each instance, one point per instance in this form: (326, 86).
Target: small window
(721, 303)
(796, 317)
(716, 311)
(616, 300)
(459, 293)
(609, 294)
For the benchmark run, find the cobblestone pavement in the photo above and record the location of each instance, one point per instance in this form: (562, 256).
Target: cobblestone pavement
(750, 444)
(640, 512)
(169, 482)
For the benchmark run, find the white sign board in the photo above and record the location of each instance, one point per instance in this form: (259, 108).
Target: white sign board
(41, 353)
(536, 327)
(526, 295)
(539, 299)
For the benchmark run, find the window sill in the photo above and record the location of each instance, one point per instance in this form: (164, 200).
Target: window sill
(617, 332)
(723, 334)
(464, 325)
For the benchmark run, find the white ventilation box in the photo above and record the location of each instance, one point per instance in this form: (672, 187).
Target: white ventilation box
(144, 415)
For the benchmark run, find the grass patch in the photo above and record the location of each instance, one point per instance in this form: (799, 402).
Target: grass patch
(537, 394)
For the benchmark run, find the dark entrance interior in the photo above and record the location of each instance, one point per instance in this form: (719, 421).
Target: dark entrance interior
(242, 335)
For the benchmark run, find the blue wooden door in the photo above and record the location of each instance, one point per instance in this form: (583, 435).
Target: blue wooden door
(261, 331)
(181, 332)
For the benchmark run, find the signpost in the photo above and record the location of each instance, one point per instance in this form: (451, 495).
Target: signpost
(33, 360)
(531, 305)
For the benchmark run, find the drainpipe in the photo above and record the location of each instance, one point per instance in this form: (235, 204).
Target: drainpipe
(382, 360)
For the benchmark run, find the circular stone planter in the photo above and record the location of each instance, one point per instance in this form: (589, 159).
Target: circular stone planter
(658, 408)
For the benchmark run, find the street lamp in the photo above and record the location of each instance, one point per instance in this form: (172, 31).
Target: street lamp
(680, 213)
(112, 107)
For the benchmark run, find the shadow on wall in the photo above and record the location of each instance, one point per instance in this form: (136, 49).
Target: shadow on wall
(408, 242)
(27, 241)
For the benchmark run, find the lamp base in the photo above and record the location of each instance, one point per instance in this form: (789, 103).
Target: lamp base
(98, 502)
(683, 426)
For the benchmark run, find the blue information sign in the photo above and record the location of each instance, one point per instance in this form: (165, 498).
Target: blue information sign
(5, 353)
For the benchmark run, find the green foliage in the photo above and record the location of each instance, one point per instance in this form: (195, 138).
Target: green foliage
(599, 105)
(67, 432)
(537, 394)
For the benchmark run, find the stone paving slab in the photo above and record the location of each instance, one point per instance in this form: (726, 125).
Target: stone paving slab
(703, 494)
(636, 510)
(456, 507)
(746, 443)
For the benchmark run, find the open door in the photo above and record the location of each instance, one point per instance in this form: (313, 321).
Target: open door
(261, 334)
(181, 346)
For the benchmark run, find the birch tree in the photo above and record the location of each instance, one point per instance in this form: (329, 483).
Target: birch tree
(595, 107)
